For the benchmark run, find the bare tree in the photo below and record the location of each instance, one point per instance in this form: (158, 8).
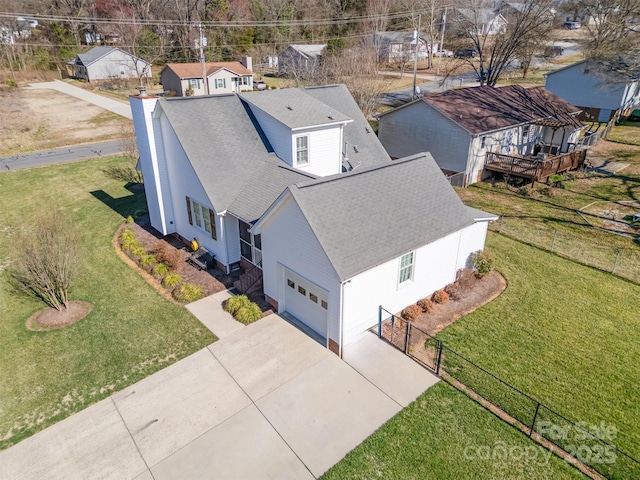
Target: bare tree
(47, 259)
(498, 46)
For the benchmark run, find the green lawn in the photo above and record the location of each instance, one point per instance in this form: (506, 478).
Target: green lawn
(132, 330)
(444, 434)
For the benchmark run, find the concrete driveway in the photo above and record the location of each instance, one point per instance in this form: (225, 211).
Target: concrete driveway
(115, 106)
(266, 401)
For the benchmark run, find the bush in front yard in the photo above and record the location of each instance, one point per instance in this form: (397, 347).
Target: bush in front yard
(454, 291)
(129, 245)
(482, 263)
(411, 312)
(171, 280)
(138, 252)
(440, 296)
(160, 270)
(127, 235)
(147, 260)
(249, 313)
(233, 304)
(425, 304)
(188, 292)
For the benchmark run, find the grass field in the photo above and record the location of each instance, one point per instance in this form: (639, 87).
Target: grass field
(444, 434)
(132, 330)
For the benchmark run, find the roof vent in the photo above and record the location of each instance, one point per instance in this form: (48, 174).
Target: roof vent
(366, 129)
(460, 116)
(289, 106)
(355, 148)
(330, 117)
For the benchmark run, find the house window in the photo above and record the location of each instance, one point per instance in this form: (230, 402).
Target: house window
(220, 83)
(483, 142)
(202, 217)
(194, 83)
(313, 298)
(406, 268)
(324, 304)
(302, 150)
(291, 283)
(302, 290)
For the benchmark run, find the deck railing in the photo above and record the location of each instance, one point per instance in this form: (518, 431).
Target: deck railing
(534, 168)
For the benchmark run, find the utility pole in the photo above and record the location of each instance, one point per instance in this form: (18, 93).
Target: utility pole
(415, 60)
(202, 41)
(444, 21)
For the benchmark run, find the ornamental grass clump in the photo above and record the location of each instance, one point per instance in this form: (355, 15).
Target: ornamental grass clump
(188, 292)
(249, 313)
(171, 280)
(233, 304)
(160, 270)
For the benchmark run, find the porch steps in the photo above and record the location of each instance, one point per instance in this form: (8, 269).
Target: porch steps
(250, 281)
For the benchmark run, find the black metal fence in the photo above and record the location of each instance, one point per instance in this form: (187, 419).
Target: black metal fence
(590, 445)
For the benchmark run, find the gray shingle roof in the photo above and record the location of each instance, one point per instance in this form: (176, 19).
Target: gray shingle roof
(358, 133)
(220, 140)
(295, 108)
(94, 54)
(233, 158)
(371, 216)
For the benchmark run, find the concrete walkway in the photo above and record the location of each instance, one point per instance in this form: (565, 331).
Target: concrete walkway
(265, 401)
(116, 106)
(210, 312)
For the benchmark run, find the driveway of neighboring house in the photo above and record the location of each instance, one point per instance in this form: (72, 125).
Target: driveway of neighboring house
(115, 106)
(265, 401)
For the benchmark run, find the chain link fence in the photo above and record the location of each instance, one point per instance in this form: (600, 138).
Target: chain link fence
(592, 446)
(623, 262)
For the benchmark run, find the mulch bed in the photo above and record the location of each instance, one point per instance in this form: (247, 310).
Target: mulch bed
(52, 319)
(472, 295)
(212, 280)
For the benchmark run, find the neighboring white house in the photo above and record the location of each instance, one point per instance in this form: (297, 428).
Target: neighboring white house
(395, 46)
(479, 22)
(294, 182)
(458, 127)
(602, 94)
(221, 77)
(109, 63)
(300, 59)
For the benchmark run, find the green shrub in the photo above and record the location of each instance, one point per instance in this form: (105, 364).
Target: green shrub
(130, 245)
(425, 304)
(454, 291)
(171, 280)
(440, 296)
(138, 251)
(129, 219)
(188, 292)
(147, 260)
(482, 263)
(411, 312)
(249, 313)
(234, 304)
(127, 235)
(160, 270)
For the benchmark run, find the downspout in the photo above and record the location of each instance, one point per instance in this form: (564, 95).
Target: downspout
(341, 335)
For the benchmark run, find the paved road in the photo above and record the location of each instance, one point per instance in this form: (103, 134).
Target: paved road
(116, 106)
(438, 84)
(60, 155)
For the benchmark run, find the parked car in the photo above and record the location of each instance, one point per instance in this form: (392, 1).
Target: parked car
(444, 53)
(466, 53)
(572, 25)
(635, 116)
(553, 51)
(259, 85)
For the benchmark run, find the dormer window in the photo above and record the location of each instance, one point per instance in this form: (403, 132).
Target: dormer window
(302, 150)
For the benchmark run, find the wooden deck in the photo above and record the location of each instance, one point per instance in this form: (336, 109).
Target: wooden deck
(535, 169)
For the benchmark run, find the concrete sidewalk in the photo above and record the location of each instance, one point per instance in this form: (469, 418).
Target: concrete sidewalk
(266, 401)
(115, 106)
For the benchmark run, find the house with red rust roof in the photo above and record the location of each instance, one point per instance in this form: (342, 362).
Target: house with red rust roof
(186, 79)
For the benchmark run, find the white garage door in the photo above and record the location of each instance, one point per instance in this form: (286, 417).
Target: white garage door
(306, 301)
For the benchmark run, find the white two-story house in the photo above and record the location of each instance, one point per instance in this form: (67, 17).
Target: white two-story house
(294, 182)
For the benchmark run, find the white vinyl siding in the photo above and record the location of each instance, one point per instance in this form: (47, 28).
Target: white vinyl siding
(118, 64)
(419, 128)
(288, 243)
